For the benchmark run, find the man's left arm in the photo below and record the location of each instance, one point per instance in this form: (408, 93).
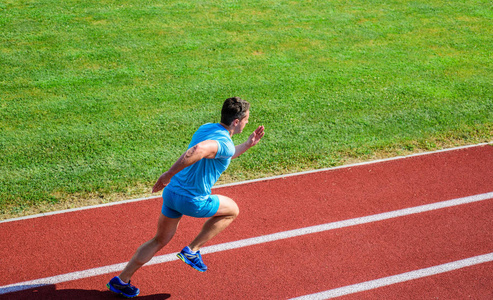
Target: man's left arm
(253, 140)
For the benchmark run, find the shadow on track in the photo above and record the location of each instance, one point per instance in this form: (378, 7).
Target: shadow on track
(49, 292)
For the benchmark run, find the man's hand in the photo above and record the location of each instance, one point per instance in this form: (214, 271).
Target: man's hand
(253, 140)
(255, 137)
(162, 182)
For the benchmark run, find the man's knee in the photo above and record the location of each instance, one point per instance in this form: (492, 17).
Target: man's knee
(235, 210)
(228, 207)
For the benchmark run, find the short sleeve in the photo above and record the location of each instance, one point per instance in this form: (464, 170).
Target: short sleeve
(225, 149)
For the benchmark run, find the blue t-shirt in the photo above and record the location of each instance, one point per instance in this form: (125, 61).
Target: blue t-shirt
(197, 180)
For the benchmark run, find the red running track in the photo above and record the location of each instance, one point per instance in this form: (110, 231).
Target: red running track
(85, 239)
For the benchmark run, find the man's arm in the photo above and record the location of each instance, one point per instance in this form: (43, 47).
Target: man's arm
(205, 149)
(253, 139)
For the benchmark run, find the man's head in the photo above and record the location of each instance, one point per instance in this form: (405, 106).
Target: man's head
(234, 108)
(235, 113)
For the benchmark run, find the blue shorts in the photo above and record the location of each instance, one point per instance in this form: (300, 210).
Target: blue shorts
(175, 206)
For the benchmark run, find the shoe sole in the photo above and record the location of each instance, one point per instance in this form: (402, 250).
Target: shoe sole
(120, 292)
(188, 262)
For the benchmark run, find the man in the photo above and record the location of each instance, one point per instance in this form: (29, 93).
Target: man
(187, 191)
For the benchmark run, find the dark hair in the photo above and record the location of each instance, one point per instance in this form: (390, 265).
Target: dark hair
(234, 108)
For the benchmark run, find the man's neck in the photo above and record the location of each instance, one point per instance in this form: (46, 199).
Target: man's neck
(228, 128)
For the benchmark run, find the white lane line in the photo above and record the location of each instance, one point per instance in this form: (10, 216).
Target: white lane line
(252, 181)
(373, 284)
(250, 241)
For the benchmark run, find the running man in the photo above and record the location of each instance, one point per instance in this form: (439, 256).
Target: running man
(187, 191)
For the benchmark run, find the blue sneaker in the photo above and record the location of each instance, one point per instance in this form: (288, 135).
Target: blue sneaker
(192, 259)
(125, 289)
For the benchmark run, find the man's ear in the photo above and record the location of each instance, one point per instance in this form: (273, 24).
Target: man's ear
(235, 122)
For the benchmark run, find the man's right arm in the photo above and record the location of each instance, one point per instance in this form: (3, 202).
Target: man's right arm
(205, 149)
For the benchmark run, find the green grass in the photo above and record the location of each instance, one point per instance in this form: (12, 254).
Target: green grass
(98, 98)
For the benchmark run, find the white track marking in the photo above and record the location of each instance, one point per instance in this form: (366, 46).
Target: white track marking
(250, 241)
(250, 181)
(381, 282)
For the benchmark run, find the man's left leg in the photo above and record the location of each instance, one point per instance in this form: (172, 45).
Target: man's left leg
(227, 212)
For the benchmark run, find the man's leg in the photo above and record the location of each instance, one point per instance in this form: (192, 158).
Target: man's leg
(227, 212)
(165, 231)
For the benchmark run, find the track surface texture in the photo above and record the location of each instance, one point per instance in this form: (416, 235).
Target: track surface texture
(416, 227)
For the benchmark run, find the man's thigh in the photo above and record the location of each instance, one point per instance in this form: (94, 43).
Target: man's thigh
(227, 207)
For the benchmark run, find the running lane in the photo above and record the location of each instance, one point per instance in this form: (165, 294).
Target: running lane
(81, 240)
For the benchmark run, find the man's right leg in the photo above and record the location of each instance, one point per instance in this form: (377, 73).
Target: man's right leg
(165, 232)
